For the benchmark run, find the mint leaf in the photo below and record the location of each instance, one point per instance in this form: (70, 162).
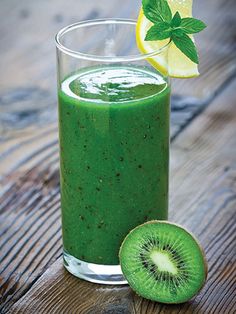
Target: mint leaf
(178, 32)
(176, 20)
(190, 25)
(157, 11)
(159, 31)
(186, 45)
(176, 28)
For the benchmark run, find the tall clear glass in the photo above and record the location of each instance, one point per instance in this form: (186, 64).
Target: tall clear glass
(114, 142)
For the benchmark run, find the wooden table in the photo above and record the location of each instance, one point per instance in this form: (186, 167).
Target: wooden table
(203, 162)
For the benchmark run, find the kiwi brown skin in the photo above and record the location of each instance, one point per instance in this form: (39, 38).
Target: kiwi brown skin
(200, 247)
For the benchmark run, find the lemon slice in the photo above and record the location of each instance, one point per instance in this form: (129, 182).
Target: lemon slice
(172, 61)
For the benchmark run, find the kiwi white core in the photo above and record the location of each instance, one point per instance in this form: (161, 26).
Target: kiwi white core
(163, 262)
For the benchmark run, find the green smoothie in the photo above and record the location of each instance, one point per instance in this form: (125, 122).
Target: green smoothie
(114, 156)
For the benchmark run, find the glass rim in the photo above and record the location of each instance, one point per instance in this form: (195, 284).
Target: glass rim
(91, 57)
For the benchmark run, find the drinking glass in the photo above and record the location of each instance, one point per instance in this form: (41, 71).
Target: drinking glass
(114, 109)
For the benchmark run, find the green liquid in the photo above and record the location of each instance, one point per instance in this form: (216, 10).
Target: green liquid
(114, 155)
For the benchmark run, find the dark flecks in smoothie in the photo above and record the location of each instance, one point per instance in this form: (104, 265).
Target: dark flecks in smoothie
(67, 113)
(121, 140)
(118, 174)
(81, 217)
(101, 224)
(80, 188)
(80, 125)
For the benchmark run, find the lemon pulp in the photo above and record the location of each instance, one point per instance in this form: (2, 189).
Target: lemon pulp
(170, 61)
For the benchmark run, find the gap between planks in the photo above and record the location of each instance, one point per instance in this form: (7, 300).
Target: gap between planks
(203, 199)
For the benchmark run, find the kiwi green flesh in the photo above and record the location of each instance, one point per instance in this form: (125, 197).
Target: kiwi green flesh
(163, 262)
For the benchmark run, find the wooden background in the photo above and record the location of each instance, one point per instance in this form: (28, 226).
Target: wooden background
(203, 162)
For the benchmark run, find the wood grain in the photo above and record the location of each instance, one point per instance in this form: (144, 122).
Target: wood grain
(28, 96)
(29, 210)
(203, 164)
(206, 207)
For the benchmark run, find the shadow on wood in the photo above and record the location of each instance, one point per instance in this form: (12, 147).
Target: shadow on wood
(57, 291)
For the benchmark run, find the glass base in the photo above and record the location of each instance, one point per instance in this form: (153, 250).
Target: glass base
(103, 274)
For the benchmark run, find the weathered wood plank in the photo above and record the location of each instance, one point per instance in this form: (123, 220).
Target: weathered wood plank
(29, 189)
(27, 95)
(27, 47)
(30, 156)
(203, 198)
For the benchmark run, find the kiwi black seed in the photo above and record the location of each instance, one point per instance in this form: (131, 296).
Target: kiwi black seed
(163, 262)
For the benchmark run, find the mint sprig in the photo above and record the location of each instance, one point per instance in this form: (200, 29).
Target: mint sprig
(186, 45)
(157, 10)
(176, 28)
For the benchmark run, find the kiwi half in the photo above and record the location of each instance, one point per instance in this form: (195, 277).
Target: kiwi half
(163, 262)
